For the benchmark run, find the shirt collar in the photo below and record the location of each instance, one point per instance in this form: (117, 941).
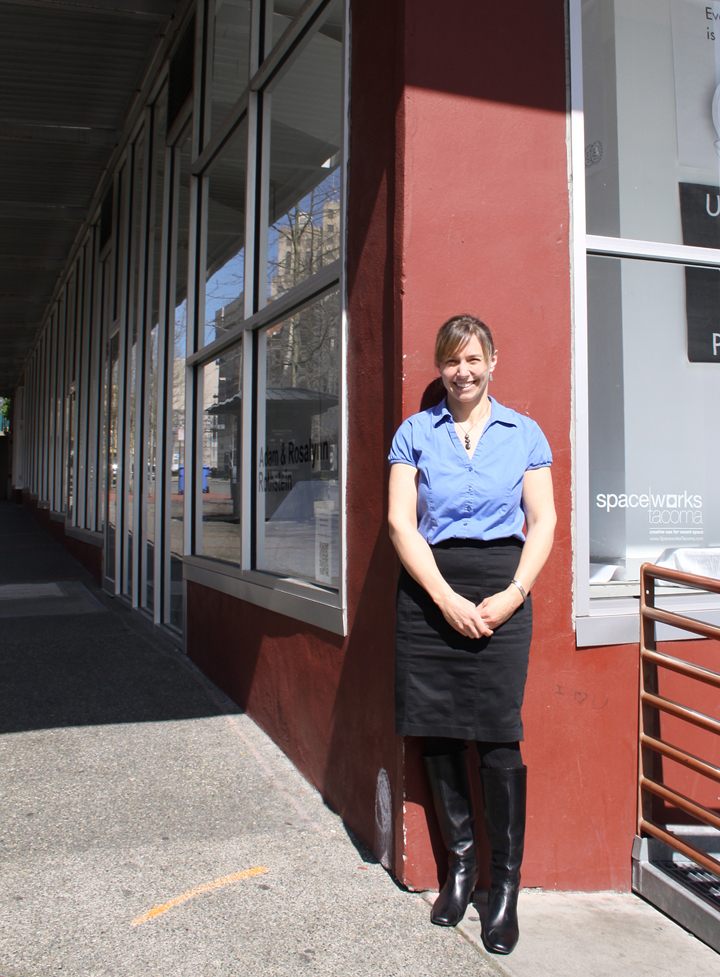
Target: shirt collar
(503, 415)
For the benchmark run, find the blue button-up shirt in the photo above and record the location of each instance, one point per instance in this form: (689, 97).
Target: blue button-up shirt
(470, 498)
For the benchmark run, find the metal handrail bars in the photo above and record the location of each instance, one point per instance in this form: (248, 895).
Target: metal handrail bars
(651, 745)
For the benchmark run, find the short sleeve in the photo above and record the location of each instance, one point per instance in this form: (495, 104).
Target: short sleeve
(539, 453)
(402, 451)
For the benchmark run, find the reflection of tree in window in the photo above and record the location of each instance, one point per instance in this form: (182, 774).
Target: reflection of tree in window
(307, 237)
(303, 350)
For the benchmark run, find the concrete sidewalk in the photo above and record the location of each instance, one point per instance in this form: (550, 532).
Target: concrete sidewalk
(148, 828)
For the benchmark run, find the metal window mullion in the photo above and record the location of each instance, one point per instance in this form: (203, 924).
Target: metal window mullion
(59, 402)
(101, 396)
(50, 393)
(143, 365)
(257, 441)
(82, 515)
(33, 430)
(43, 405)
(140, 299)
(121, 282)
(618, 247)
(161, 450)
(300, 296)
(94, 418)
(71, 372)
(194, 376)
(46, 406)
(307, 22)
(69, 354)
(262, 200)
(55, 500)
(200, 86)
(343, 420)
(130, 326)
(26, 377)
(57, 434)
(169, 378)
(39, 416)
(37, 424)
(245, 461)
(74, 327)
(265, 69)
(191, 344)
(29, 411)
(52, 404)
(580, 443)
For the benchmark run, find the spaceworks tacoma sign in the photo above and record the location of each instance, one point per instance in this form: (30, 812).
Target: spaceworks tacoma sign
(670, 509)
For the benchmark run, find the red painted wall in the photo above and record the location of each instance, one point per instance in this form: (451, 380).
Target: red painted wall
(485, 229)
(328, 702)
(457, 200)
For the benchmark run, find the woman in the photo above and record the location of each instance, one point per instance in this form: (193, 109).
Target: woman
(466, 477)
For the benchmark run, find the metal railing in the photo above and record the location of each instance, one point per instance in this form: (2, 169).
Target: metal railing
(652, 746)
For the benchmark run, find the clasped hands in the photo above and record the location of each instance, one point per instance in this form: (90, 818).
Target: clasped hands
(479, 620)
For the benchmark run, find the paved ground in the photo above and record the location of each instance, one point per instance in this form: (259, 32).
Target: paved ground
(127, 781)
(148, 828)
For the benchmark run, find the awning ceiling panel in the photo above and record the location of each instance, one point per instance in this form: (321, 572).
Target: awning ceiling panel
(69, 73)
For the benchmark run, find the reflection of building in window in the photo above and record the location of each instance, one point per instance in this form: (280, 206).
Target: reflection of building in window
(303, 350)
(308, 237)
(211, 374)
(230, 315)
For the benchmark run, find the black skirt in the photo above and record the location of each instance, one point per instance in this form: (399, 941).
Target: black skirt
(450, 685)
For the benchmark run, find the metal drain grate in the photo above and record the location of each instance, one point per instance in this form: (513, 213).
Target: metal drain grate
(696, 879)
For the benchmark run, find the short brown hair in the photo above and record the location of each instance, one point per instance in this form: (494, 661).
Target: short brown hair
(457, 332)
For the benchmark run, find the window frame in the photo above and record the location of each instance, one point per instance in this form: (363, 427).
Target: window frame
(298, 599)
(606, 620)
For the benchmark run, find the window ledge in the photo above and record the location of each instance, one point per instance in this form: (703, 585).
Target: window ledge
(57, 516)
(276, 595)
(616, 621)
(85, 535)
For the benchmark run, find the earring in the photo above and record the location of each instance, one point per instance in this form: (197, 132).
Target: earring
(491, 378)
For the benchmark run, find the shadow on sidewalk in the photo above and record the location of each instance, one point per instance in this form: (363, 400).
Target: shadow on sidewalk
(86, 668)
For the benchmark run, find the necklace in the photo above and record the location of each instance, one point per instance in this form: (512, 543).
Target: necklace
(467, 433)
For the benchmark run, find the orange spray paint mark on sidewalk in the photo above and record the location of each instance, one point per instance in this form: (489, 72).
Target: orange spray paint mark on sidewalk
(207, 887)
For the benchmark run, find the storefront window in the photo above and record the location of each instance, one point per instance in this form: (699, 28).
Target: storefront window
(304, 176)
(153, 377)
(221, 456)
(654, 422)
(134, 318)
(230, 56)
(268, 362)
(651, 96)
(178, 354)
(225, 261)
(298, 438)
(652, 119)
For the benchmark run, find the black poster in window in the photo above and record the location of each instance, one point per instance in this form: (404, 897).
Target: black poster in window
(700, 214)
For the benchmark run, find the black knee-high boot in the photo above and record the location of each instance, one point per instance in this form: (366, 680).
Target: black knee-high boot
(504, 792)
(453, 802)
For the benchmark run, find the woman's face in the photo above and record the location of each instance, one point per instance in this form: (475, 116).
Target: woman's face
(466, 374)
